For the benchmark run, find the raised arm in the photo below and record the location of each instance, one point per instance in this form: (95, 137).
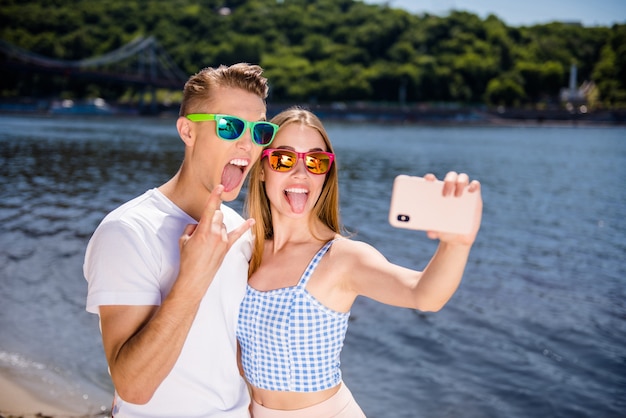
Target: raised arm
(142, 343)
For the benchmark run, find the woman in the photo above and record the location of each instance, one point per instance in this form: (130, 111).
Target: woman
(292, 324)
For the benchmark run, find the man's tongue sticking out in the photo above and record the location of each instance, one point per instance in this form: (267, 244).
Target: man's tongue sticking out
(232, 176)
(297, 199)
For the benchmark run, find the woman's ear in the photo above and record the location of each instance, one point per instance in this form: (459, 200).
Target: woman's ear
(185, 130)
(262, 175)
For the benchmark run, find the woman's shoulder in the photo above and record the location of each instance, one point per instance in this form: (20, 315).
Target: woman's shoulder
(352, 249)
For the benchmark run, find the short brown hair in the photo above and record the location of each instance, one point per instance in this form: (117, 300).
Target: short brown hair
(199, 88)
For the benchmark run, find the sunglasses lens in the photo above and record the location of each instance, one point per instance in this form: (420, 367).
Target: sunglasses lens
(317, 162)
(282, 160)
(263, 133)
(230, 128)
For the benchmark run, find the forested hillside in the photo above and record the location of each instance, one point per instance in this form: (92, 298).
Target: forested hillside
(327, 50)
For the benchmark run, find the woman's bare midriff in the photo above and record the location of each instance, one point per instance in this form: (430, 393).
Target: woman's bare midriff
(291, 400)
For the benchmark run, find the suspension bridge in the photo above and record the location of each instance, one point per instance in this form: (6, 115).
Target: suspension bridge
(142, 63)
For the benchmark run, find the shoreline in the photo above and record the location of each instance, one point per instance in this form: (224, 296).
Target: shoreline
(21, 397)
(411, 113)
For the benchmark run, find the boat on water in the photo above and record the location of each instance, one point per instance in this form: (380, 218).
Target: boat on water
(97, 106)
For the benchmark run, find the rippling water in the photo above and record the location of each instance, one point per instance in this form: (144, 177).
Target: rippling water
(537, 328)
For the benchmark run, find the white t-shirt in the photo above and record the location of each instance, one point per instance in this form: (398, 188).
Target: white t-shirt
(133, 259)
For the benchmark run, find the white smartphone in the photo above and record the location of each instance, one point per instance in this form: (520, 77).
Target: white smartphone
(419, 204)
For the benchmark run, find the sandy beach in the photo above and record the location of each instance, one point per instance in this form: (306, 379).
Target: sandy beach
(17, 399)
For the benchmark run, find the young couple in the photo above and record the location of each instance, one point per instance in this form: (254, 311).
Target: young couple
(179, 279)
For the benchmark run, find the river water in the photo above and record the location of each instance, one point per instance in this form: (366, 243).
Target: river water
(536, 329)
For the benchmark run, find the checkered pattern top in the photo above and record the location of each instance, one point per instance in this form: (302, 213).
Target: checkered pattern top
(289, 340)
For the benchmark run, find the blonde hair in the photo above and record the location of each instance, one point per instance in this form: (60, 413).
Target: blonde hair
(257, 204)
(200, 86)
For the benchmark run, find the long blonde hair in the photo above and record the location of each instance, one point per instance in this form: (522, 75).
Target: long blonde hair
(257, 204)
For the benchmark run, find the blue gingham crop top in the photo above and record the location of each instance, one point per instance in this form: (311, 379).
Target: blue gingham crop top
(289, 340)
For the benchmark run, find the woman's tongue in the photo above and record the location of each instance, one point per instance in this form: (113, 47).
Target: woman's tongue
(297, 199)
(231, 177)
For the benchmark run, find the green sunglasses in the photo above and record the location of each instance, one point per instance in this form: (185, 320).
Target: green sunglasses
(231, 128)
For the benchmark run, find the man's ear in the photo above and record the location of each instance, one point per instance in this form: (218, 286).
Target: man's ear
(186, 131)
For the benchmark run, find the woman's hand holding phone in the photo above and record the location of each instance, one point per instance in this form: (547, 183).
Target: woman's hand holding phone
(449, 210)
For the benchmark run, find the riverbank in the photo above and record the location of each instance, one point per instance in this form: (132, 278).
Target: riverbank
(415, 113)
(24, 401)
(451, 114)
(33, 389)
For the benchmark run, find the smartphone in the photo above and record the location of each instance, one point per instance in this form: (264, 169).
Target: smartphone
(419, 204)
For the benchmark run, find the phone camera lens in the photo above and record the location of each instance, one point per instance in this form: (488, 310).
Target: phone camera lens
(403, 218)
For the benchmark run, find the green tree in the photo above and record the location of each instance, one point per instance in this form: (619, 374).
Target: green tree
(541, 79)
(504, 91)
(322, 50)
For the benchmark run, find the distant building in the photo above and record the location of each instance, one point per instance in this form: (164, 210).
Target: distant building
(573, 94)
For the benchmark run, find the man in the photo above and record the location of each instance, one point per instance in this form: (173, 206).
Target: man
(167, 270)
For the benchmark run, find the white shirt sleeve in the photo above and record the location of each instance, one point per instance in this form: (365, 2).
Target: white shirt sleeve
(121, 268)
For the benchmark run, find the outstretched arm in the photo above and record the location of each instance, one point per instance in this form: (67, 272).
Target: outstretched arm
(373, 276)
